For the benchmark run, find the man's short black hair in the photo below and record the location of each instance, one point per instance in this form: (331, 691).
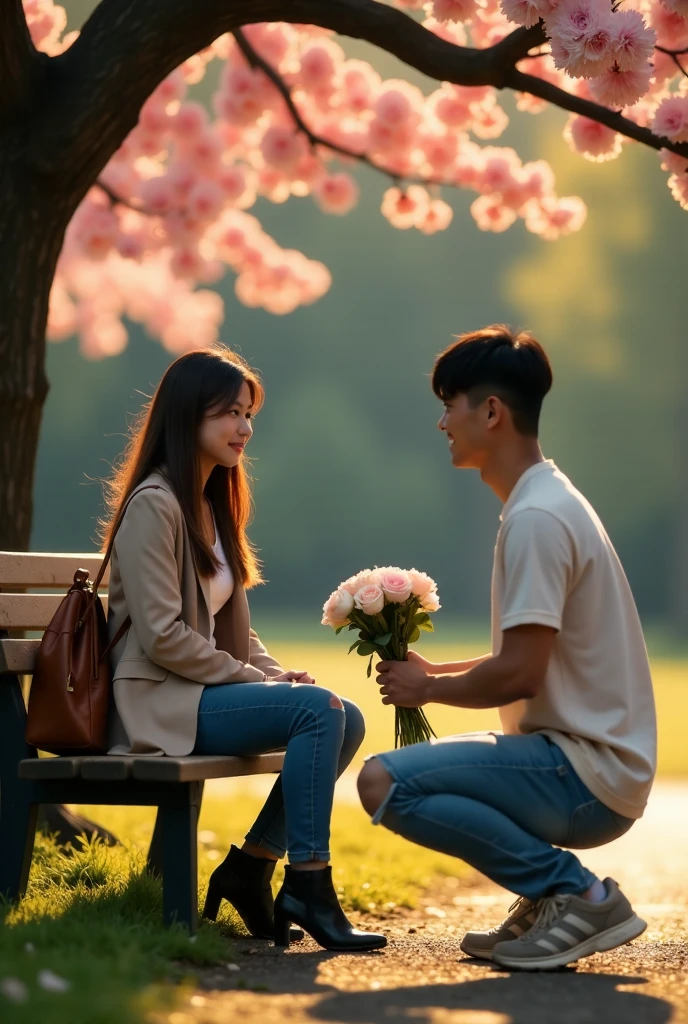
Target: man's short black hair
(498, 361)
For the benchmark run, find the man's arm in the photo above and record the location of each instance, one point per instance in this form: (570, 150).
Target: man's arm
(516, 673)
(435, 668)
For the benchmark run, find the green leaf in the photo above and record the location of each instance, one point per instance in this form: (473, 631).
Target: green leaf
(340, 628)
(352, 625)
(369, 670)
(365, 648)
(354, 645)
(420, 618)
(382, 641)
(427, 627)
(415, 635)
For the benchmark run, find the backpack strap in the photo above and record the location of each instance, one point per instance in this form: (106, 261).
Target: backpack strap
(104, 564)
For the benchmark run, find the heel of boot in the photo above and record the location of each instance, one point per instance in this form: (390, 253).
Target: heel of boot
(282, 928)
(212, 902)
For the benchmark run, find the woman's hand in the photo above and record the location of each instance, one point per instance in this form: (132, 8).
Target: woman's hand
(293, 676)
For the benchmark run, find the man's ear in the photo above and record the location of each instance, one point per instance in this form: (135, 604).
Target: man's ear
(494, 410)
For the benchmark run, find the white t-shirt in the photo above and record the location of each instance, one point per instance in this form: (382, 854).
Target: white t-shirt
(221, 585)
(555, 565)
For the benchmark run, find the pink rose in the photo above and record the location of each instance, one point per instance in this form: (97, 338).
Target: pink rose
(337, 609)
(370, 599)
(421, 583)
(396, 585)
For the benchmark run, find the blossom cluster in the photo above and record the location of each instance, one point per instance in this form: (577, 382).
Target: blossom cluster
(172, 216)
(371, 589)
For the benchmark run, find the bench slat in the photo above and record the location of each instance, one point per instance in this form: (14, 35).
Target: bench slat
(18, 656)
(195, 769)
(30, 611)
(50, 768)
(148, 769)
(42, 569)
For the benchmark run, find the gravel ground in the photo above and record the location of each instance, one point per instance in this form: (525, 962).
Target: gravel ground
(423, 978)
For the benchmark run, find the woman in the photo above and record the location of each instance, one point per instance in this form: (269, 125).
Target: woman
(191, 676)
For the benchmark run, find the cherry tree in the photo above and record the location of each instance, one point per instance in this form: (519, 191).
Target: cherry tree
(125, 199)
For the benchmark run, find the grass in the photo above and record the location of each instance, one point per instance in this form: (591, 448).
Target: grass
(332, 667)
(93, 917)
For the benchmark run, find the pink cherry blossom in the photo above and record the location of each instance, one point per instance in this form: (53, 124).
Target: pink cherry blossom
(593, 140)
(283, 147)
(192, 170)
(619, 89)
(671, 119)
(336, 193)
(551, 217)
(404, 209)
(437, 217)
(453, 10)
(490, 213)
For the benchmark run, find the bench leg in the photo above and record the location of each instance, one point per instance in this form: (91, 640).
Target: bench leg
(154, 860)
(179, 823)
(17, 812)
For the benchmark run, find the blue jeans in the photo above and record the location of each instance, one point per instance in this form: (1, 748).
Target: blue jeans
(320, 733)
(501, 803)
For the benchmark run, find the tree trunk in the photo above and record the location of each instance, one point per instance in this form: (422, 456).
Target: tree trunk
(32, 226)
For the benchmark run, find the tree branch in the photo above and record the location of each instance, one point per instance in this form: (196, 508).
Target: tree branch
(19, 62)
(127, 47)
(521, 82)
(254, 60)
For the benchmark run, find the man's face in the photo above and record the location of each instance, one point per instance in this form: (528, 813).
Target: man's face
(467, 431)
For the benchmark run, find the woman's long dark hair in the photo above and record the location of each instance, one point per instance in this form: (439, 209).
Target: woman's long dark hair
(164, 437)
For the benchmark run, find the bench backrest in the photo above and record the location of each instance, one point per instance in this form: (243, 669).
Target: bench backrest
(21, 611)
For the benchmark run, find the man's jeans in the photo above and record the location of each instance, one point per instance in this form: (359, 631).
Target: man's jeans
(321, 734)
(501, 803)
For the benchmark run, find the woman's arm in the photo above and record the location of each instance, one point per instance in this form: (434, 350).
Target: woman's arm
(260, 657)
(145, 546)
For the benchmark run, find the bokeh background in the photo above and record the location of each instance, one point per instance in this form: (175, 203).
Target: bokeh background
(349, 467)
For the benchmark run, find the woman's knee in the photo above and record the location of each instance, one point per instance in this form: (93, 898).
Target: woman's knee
(354, 721)
(374, 783)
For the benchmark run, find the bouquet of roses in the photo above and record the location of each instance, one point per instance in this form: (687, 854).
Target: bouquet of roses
(390, 608)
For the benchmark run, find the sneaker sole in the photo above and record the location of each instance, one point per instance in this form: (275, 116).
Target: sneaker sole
(477, 954)
(619, 935)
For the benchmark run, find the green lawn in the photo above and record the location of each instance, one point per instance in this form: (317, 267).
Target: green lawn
(93, 918)
(332, 667)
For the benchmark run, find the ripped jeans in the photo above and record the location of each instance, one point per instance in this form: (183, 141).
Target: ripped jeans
(503, 804)
(320, 732)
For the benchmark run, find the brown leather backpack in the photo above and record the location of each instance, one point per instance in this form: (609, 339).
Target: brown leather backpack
(69, 697)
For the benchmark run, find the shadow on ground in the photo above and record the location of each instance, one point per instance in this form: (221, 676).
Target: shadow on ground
(515, 999)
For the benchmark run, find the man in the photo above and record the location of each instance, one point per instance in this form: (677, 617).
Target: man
(568, 671)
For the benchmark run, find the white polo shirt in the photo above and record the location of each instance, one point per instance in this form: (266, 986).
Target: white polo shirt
(555, 565)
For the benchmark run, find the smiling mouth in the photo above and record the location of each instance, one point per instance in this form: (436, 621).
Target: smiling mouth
(237, 447)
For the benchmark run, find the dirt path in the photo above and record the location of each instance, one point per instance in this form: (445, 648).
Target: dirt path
(423, 978)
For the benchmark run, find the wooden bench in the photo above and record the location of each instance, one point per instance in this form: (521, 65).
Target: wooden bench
(172, 784)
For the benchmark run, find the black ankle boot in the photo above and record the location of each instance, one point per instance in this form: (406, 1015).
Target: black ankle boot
(308, 898)
(244, 881)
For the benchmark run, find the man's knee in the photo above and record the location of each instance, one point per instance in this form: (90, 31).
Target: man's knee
(374, 783)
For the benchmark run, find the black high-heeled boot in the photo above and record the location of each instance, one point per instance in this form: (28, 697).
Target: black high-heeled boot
(244, 881)
(308, 898)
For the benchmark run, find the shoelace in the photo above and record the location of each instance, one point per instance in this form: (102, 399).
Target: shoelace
(519, 904)
(549, 910)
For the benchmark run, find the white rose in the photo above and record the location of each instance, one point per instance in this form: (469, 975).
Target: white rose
(337, 609)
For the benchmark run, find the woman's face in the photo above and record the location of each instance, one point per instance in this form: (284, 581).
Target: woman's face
(222, 438)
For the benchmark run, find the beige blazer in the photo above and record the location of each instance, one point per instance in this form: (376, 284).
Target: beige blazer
(173, 647)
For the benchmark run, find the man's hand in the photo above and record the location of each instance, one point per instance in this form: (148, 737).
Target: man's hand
(404, 683)
(293, 676)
